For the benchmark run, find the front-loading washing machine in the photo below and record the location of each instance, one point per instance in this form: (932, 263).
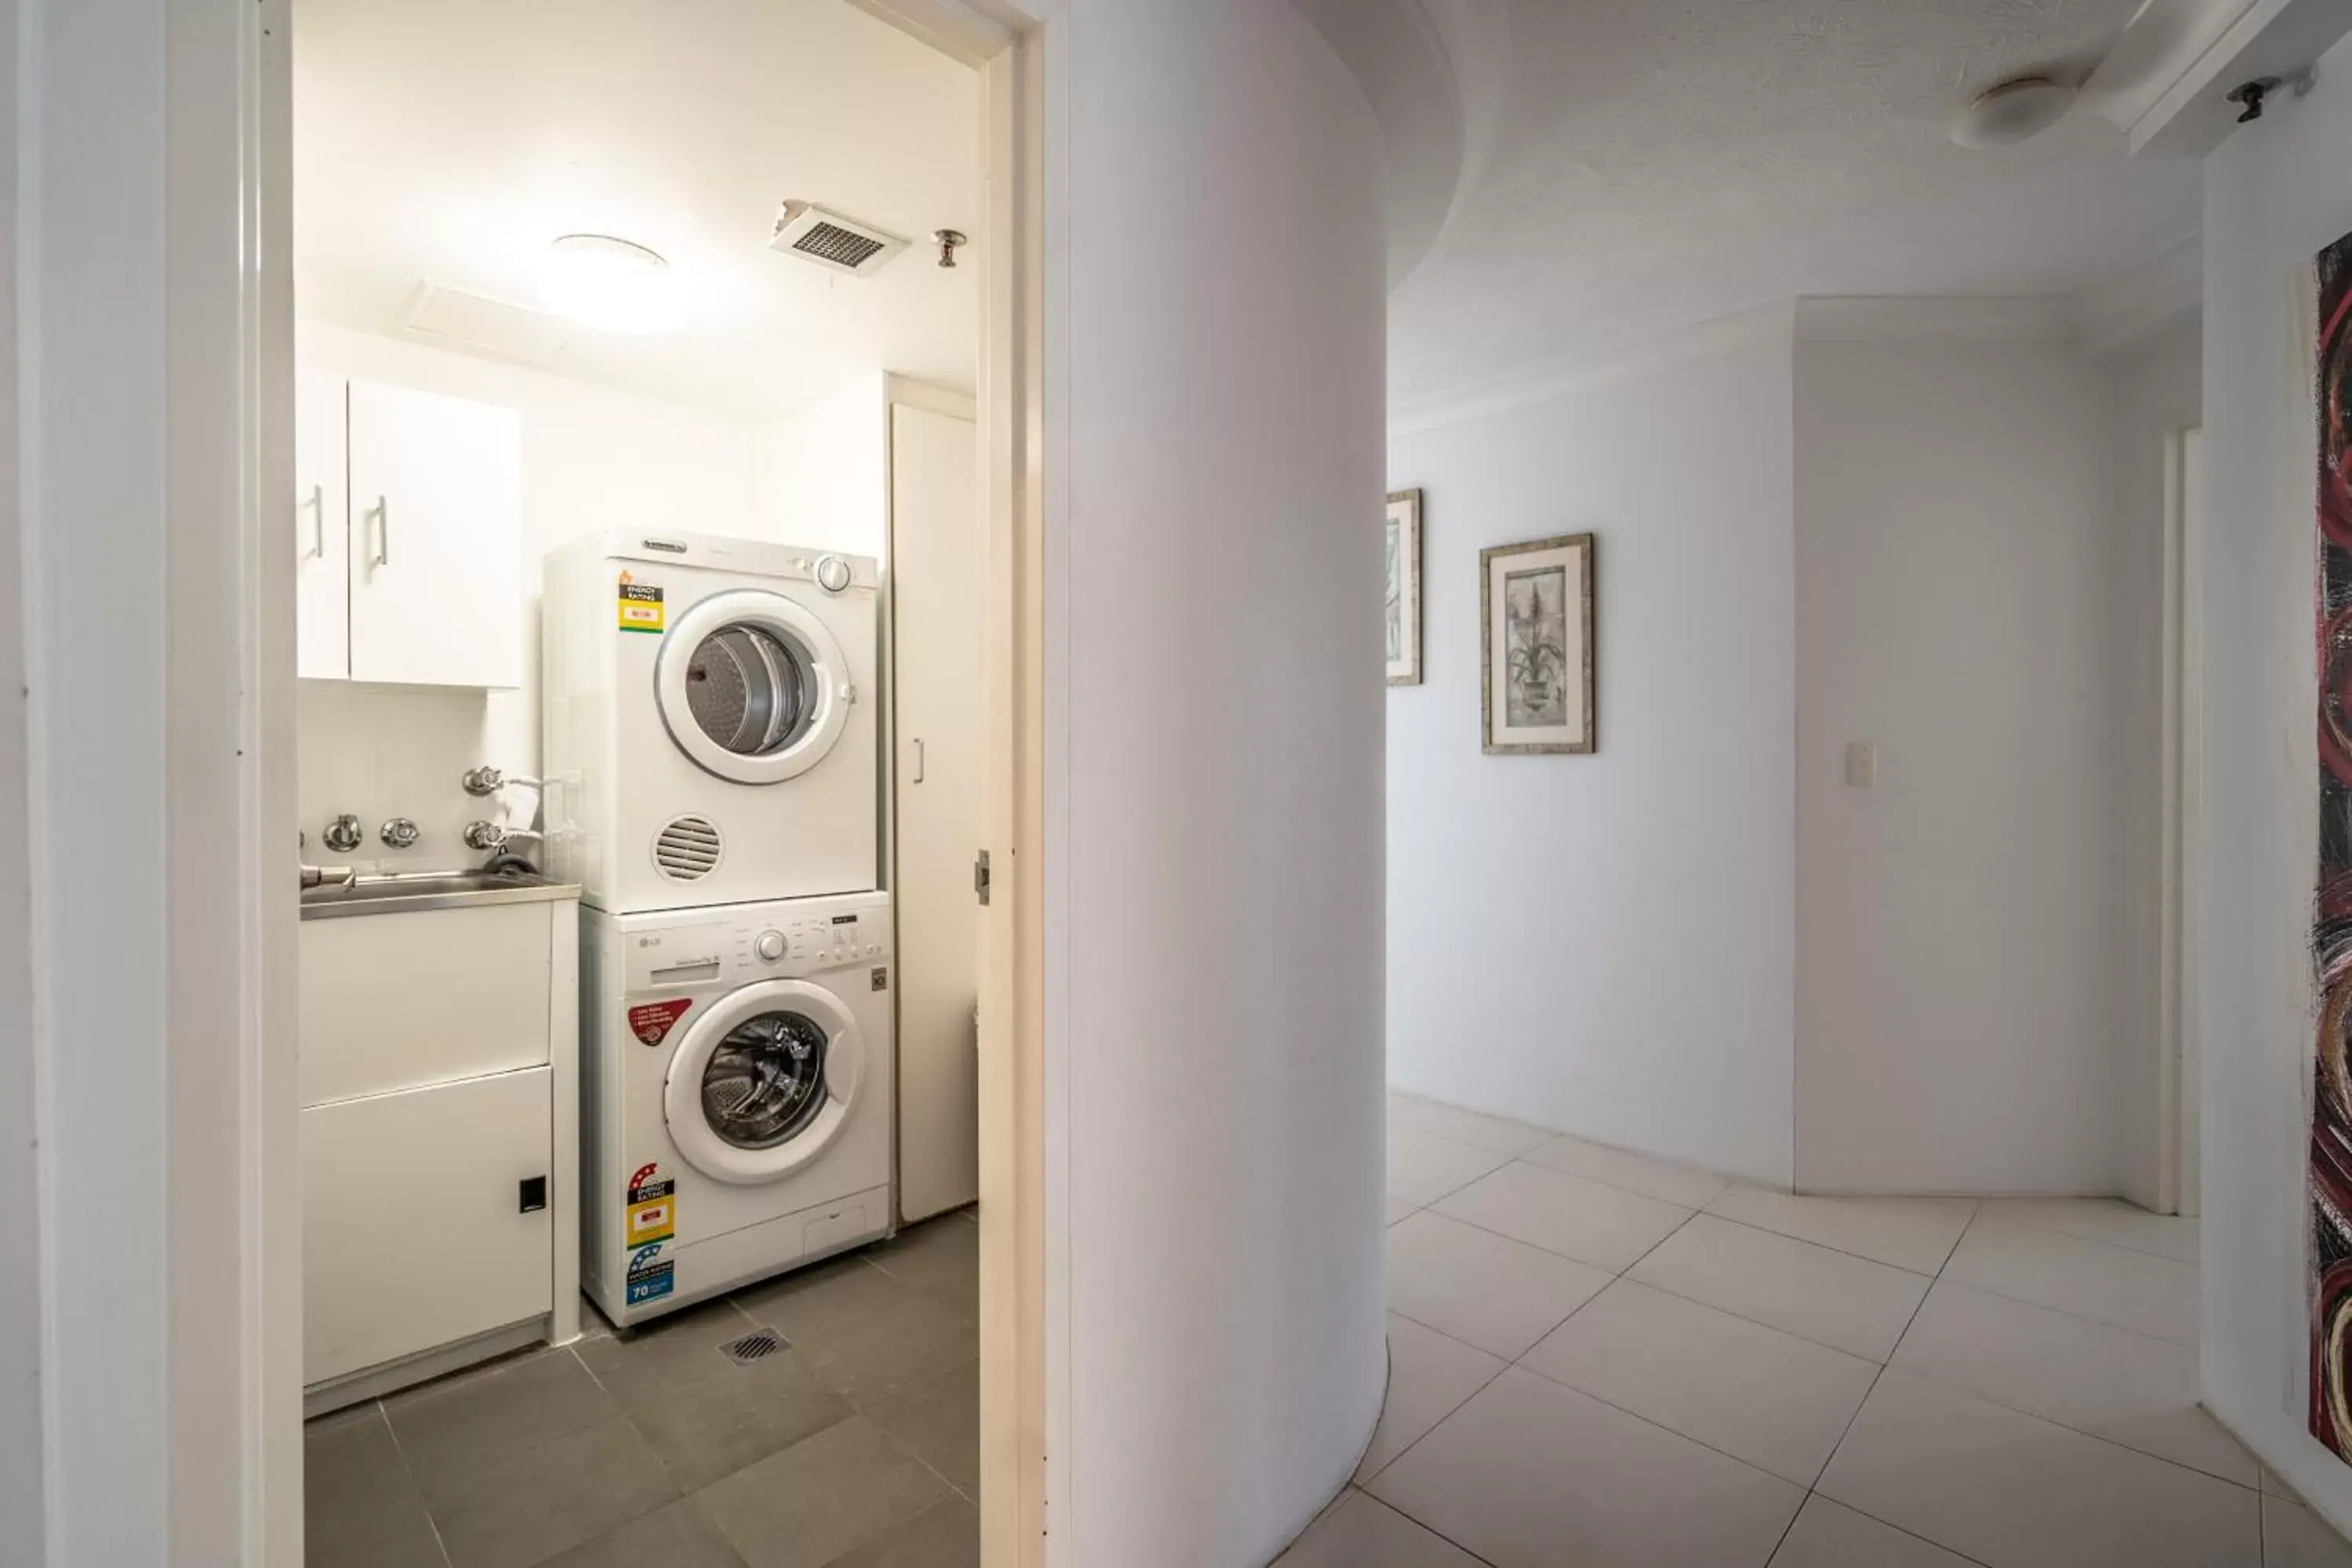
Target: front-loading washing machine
(736, 1095)
(709, 721)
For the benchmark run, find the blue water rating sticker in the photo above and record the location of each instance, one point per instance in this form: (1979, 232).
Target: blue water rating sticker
(651, 1276)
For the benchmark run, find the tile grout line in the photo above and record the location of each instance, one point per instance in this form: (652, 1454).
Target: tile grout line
(431, 1524)
(1509, 1362)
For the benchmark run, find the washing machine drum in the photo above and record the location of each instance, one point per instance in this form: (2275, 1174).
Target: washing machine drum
(752, 687)
(763, 1081)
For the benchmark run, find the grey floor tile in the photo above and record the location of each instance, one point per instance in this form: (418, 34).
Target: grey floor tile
(710, 1429)
(676, 1536)
(532, 1503)
(940, 1257)
(897, 1345)
(848, 1486)
(682, 1348)
(944, 1535)
(361, 1507)
(831, 1295)
(451, 1428)
(938, 1421)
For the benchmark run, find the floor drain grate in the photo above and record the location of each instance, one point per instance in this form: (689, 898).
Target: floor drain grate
(757, 1345)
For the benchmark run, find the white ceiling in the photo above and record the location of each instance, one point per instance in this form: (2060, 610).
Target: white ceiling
(1655, 163)
(449, 141)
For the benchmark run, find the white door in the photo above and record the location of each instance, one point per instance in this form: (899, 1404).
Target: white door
(321, 532)
(937, 577)
(416, 1228)
(436, 539)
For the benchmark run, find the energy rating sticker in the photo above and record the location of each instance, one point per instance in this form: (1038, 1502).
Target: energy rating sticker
(640, 606)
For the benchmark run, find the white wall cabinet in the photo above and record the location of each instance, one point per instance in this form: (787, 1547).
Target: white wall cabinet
(409, 537)
(322, 541)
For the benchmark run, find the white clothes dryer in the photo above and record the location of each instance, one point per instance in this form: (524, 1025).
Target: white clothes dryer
(736, 1095)
(710, 724)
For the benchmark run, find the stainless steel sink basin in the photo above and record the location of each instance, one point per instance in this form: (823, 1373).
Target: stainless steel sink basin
(407, 892)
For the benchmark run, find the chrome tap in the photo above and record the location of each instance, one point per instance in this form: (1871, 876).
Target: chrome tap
(401, 833)
(491, 836)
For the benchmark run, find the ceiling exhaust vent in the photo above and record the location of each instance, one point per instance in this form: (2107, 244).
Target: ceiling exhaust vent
(831, 239)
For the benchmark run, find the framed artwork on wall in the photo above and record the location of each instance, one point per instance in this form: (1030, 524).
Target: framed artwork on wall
(2327, 1194)
(1535, 641)
(1404, 588)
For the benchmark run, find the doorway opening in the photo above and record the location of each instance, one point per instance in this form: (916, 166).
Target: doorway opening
(640, 974)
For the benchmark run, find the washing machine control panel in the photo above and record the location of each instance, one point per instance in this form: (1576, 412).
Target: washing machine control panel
(773, 946)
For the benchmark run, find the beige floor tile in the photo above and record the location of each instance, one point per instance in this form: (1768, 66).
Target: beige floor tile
(1472, 1127)
(1831, 1298)
(1772, 1399)
(2110, 1220)
(2007, 1489)
(1430, 1376)
(1423, 1168)
(1485, 1290)
(1917, 1234)
(2090, 1279)
(1533, 1475)
(1606, 1227)
(2130, 1388)
(2295, 1536)
(1359, 1531)
(1831, 1535)
(1399, 1208)
(1661, 1179)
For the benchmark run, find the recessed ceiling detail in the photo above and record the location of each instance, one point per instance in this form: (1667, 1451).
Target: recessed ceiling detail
(1657, 165)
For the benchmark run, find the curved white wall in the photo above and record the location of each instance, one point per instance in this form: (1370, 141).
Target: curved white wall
(1215, 334)
(2276, 192)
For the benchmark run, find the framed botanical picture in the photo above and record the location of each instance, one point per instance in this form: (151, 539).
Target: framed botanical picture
(1404, 588)
(1535, 637)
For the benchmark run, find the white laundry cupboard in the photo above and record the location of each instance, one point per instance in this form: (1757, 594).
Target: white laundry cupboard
(937, 565)
(440, 1135)
(408, 536)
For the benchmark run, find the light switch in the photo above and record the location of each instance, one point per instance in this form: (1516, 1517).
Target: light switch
(1861, 764)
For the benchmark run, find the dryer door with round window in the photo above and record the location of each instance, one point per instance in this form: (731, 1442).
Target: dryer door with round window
(764, 1082)
(752, 687)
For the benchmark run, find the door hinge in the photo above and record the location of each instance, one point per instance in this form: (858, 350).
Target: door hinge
(980, 877)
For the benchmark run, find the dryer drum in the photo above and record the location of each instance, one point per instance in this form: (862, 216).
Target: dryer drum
(749, 689)
(765, 1081)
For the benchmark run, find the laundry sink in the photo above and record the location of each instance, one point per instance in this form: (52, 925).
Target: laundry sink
(406, 892)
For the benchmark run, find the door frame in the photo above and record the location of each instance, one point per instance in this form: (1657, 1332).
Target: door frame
(2179, 1141)
(171, 130)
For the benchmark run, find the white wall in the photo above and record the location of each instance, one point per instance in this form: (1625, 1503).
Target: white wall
(1604, 944)
(821, 474)
(591, 458)
(1956, 606)
(2154, 391)
(2275, 192)
(20, 1286)
(1215, 418)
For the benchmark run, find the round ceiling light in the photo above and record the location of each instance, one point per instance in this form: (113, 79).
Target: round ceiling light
(2011, 112)
(611, 284)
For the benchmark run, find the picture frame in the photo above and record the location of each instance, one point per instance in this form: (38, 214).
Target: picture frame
(1536, 689)
(1404, 532)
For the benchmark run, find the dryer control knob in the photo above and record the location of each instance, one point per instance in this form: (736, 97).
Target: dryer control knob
(832, 574)
(771, 946)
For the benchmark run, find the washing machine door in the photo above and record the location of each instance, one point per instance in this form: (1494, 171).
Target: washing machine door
(752, 687)
(764, 1082)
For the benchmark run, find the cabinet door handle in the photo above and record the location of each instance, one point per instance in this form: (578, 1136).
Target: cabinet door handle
(382, 531)
(919, 759)
(318, 521)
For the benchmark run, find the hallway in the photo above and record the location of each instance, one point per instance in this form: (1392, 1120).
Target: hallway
(1599, 1357)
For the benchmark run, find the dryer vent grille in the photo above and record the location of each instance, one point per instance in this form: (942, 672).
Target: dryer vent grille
(688, 849)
